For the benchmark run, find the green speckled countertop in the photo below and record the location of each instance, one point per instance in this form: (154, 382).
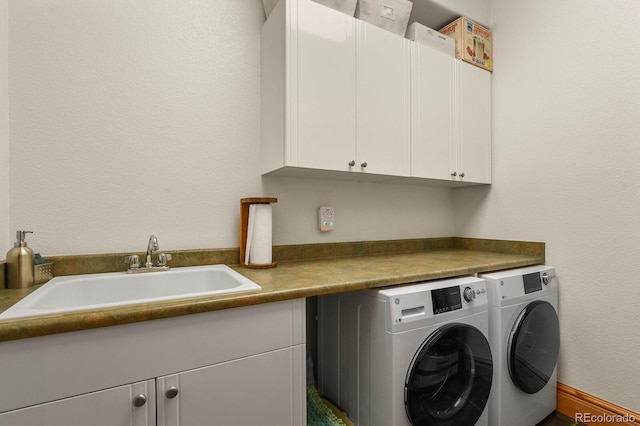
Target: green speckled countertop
(321, 269)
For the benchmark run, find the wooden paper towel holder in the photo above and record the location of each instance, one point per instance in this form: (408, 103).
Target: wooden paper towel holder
(244, 224)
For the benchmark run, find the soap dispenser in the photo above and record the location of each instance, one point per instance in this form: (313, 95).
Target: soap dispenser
(20, 263)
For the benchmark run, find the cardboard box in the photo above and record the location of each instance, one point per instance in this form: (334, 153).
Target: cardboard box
(473, 42)
(425, 35)
(391, 15)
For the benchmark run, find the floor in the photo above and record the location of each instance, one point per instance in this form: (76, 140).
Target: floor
(557, 419)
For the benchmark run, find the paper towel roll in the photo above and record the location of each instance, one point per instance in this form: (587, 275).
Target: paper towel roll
(259, 234)
(250, 220)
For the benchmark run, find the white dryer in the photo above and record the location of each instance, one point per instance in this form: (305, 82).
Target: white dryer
(525, 340)
(411, 355)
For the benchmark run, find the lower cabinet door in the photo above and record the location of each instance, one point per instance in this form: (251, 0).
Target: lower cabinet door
(129, 405)
(256, 390)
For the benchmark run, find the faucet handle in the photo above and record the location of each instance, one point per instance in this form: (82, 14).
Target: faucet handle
(133, 261)
(163, 258)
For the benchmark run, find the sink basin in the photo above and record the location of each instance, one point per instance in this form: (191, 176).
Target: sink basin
(81, 292)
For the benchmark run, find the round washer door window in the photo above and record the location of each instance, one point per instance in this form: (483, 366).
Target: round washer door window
(450, 377)
(534, 343)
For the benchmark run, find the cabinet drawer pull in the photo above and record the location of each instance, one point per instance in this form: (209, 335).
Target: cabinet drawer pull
(352, 163)
(363, 164)
(462, 174)
(171, 392)
(140, 400)
(454, 174)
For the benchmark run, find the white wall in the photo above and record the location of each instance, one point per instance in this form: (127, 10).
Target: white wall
(4, 127)
(566, 156)
(131, 118)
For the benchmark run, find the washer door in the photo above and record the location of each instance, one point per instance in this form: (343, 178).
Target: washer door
(449, 380)
(533, 348)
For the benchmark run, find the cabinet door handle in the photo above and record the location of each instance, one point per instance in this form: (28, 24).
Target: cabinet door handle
(363, 164)
(140, 400)
(171, 392)
(352, 163)
(462, 174)
(454, 174)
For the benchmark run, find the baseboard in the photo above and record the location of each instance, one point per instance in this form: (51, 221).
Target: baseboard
(591, 410)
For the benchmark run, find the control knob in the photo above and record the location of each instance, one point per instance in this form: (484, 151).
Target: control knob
(469, 294)
(546, 278)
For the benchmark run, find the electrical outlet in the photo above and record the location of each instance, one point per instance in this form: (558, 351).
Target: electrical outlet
(326, 218)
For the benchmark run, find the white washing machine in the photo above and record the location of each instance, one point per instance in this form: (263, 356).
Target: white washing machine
(411, 355)
(525, 339)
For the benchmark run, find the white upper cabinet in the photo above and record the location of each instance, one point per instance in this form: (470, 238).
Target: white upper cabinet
(308, 87)
(451, 118)
(341, 97)
(433, 113)
(473, 160)
(335, 93)
(383, 102)
(321, 87)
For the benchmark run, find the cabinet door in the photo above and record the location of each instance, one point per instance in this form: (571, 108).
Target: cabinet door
(474, 145)
(265, 389)
(322, 87)
(111, 407)
(432, 139)
(383, 102)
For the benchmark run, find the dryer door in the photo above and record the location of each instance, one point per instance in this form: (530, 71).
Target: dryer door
(450, 377)
(534, 343)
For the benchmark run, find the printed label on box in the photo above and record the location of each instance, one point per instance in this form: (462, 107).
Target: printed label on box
(473, 42)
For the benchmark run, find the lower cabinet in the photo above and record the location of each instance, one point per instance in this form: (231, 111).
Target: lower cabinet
(255, 374)
(255, 390)
(110, 407)
(250, 391)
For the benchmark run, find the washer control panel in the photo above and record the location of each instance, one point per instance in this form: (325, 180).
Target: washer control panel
(446, 299)
(427, 300)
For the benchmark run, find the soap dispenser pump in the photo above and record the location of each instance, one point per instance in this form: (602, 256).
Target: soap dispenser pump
(20, 273)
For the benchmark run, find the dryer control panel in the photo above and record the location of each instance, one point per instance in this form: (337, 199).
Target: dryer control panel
(520, 284)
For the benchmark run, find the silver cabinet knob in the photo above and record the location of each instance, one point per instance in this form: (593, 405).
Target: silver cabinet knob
(363, 164)
(462, 174)
(171, 392)
(454, 174)
(140, 400)
(352, 163)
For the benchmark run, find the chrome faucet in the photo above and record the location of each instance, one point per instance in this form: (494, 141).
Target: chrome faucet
(134, 259)
(151, 247)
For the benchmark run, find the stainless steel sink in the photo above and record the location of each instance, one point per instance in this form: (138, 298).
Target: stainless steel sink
(82, 292)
